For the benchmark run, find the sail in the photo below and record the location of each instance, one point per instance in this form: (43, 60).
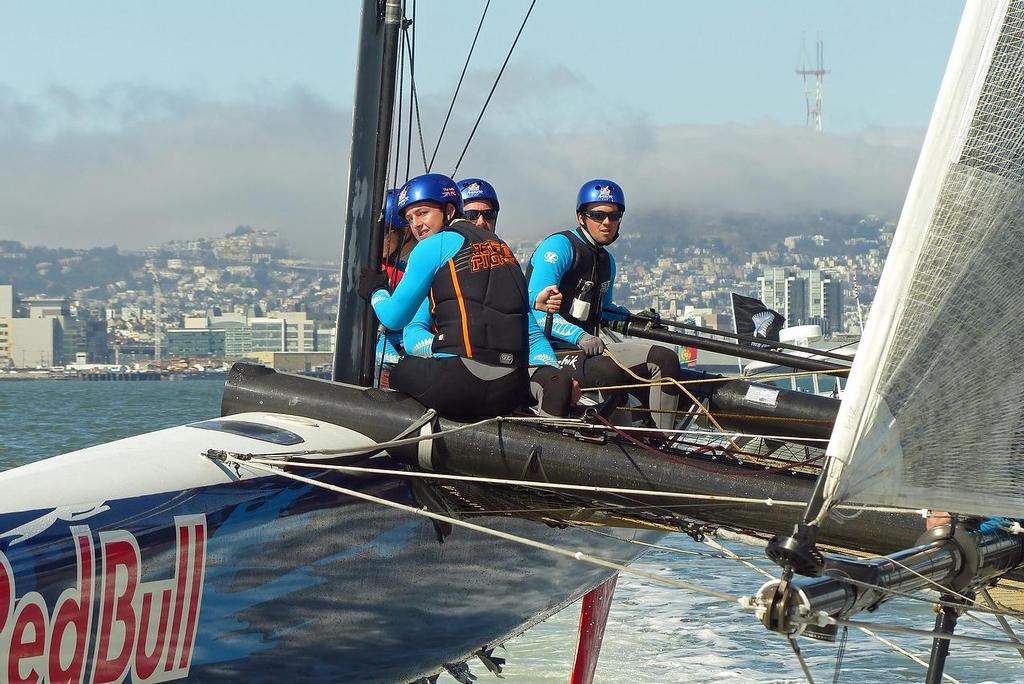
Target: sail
(933, 415)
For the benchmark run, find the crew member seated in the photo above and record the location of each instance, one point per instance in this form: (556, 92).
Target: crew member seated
(485, 337)
(579, 264)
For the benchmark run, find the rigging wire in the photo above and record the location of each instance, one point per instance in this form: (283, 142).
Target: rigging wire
(899, 649)
(518, 483)
(458, 87)
(415, 97)
(800, 659)
(458, 522)
(405, 41)
(493, 88)
(840, 651)
(924, 633)
(999, 616)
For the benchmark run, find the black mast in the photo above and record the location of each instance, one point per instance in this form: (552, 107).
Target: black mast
(362, 241)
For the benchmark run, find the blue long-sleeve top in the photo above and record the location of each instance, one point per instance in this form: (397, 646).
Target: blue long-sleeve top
(397, 310)
(387, 351)
(552, 259)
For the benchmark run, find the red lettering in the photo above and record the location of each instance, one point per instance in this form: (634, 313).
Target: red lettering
(146, 661)
(6, 592)
(28, 641)
(121, 563)
(73, 614)
(198, 564)
(179, 595)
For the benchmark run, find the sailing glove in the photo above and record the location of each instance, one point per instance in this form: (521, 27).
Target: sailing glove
(592, 345)
(650, 317)
(371, 280)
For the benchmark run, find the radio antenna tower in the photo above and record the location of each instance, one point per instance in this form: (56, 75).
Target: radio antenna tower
(813, 95)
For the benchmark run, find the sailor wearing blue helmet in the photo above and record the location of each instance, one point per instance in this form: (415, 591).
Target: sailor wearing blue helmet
(485, 339)
(578, 262)
(479, 202)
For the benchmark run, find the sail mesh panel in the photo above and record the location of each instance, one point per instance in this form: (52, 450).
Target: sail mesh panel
(952, 372)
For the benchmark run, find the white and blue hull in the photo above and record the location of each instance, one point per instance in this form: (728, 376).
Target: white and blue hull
(144, 560)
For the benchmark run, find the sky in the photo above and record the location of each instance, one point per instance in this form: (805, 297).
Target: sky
(131, 123)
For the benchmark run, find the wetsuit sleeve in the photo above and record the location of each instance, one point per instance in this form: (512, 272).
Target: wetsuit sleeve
(397, 308)
(550, 262)
(610, 311)
(386, 352)
(418, 336)
(541, 353)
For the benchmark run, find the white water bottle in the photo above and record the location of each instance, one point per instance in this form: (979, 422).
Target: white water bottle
(581, 303)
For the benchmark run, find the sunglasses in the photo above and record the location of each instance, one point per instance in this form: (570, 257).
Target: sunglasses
(600, 216)
(474, 214)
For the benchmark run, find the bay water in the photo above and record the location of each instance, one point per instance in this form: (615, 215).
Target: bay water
(655, 633)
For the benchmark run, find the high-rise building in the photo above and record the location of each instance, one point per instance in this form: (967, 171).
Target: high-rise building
(808, 296)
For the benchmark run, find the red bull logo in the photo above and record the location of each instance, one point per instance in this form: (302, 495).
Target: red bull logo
(145, 630)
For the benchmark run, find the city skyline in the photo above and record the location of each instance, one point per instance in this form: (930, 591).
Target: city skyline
(183, 122)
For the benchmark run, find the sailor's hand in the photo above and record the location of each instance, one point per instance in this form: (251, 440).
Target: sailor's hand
(592, 345)
(577, 392)
(371, 280)
(650, 317)
(549, 299)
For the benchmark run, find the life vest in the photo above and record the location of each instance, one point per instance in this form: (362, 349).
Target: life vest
(590, 263)
(394, 272)
(478, 301)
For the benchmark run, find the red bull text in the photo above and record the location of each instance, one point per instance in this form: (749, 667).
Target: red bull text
(109, 624)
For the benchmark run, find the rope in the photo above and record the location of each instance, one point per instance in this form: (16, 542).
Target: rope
(677, 383)
(896, 629)
(458, 87)
(800, 659)
(577, 555)
(493, 88)
(903, 651)
(667, 549)
(709, 468)
(518, 483)
(381, 446)
(840, 651)
(412, 85)
(999, 616)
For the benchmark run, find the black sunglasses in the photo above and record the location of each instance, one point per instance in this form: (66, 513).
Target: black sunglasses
(600, 216)
(474, 214)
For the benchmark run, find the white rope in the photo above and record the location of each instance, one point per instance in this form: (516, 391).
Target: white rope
(729, 553)
(577, 555)
(526, 483)
(999, 616)
(800, 659)
(555, 485)
(381, 446)
(995, 643)
(899, 649)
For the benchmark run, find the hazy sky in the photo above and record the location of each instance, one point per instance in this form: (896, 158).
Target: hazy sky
(132, 123)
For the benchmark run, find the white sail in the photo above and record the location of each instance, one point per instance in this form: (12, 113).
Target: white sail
(933, 415)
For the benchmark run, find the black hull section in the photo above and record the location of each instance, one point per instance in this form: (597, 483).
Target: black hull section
(517, 451)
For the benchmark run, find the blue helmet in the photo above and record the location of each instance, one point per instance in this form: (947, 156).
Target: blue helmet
(478, 189)
(600, 190)
(430, 187)
(393, 219)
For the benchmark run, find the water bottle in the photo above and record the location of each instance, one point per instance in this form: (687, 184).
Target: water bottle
(581, 304)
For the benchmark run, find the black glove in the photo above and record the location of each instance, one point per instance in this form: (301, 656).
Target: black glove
(371, 280)
(650, 317)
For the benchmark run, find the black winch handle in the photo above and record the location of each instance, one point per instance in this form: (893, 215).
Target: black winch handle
(549, 322)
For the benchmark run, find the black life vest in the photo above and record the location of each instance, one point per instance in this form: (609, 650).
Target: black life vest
(590, 263)
(478, 301)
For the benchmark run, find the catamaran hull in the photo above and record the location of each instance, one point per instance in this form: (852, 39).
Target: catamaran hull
(255, 577)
